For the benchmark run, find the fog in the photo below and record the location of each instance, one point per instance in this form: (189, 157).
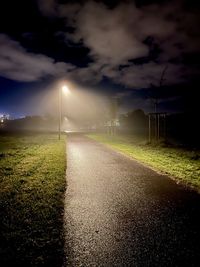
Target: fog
(80, 106)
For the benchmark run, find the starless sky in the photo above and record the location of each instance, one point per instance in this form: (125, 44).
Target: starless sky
(116, 48)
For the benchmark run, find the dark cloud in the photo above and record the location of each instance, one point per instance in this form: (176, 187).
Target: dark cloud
(116, 36)
(17, 64)
(47, 7)
(144, 75)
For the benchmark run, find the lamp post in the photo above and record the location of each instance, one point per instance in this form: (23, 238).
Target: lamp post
(63, 89)
(60, 112)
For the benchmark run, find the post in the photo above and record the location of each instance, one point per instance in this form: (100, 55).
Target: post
(158, 128)
(149, 128)
(156, 122)
(165, 127)
(60, 112)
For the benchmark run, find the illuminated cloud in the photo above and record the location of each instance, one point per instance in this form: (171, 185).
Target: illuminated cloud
(118, 36)
(156, 34)
(18, 64)
(108, 33)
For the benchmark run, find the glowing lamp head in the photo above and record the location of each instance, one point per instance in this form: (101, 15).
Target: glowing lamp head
(65, 89)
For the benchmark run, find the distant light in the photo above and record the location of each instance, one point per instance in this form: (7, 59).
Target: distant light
(65, 89)
(1, 120)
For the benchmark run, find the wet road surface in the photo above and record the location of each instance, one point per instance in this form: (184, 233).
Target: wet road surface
(120, 213)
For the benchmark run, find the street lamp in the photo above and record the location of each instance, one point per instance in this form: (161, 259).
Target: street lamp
(64, 89)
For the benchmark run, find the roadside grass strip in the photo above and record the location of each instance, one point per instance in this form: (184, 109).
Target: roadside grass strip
(32, 185)
(181, 164)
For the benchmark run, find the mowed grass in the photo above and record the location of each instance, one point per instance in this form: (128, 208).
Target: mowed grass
(32, 185)
(181, 164)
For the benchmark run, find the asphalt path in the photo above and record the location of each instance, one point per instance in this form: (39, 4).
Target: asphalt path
(120, 213)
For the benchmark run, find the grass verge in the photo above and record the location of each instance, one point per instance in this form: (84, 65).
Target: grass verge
(32, 185)
(181, 164)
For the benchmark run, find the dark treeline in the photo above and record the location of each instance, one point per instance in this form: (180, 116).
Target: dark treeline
(184, 128)
(181, 128)
(32, 123)
(50, 123)
(134, 122)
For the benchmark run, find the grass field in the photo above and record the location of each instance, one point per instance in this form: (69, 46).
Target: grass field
(32, 185)
(181, 164)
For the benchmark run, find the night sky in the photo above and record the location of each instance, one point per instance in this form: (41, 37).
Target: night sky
(112, 48)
